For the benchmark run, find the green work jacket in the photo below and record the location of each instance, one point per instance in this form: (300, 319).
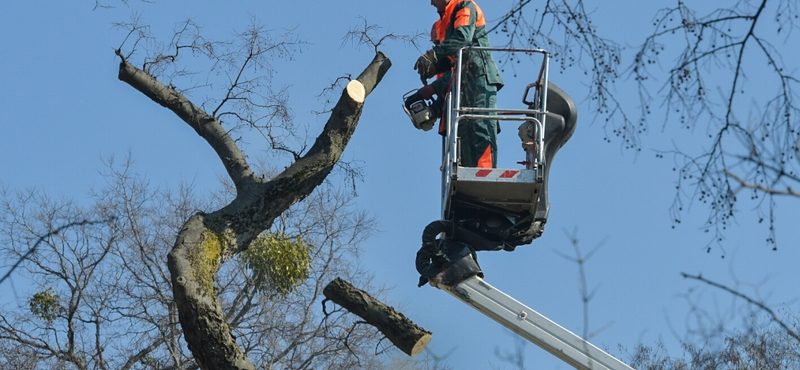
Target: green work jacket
(464, 25)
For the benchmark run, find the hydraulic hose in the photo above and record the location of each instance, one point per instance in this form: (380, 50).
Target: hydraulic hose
(435, 228)
(430, 252)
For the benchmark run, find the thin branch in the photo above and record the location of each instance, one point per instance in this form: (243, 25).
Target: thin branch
(45, 237)
(773, 317)
(765, 189)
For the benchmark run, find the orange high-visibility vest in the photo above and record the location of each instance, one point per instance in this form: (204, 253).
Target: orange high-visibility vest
(459, 19)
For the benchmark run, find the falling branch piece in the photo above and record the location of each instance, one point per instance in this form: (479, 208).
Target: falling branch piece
(401, 331)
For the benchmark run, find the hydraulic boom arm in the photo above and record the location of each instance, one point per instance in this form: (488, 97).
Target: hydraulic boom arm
(533, 326)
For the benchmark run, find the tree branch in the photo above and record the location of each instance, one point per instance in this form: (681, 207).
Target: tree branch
(765, 189)
(774, 317)
(204, 124)
(42, 238)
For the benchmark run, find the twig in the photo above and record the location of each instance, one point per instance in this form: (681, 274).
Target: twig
(752, 301)
(43, 237)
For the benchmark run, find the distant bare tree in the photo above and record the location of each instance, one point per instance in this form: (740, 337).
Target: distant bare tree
(764, 339)
(762, 348)
(725, 79)
(102, 295)
(565, 29)
(99, 302)
(753, 157)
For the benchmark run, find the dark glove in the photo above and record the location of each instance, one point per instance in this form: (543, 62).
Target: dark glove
(426, 66)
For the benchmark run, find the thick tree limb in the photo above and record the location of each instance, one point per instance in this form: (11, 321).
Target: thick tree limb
(327, 149)
(401, 331)
(204, 124)
(256, 210)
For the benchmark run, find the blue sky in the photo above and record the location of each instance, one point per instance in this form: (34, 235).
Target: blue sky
(64, 111)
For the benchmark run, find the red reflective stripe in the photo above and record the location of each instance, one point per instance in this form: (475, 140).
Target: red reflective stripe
(507, 174)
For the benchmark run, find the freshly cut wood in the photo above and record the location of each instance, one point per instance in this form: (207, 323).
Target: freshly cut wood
(356, 92)
(402, 332)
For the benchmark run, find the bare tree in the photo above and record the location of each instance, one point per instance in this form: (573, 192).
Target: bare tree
(102, 295)
(725, 79)
(764, 338)
(565, 29)
(58, 321)
(209, 239)
(720, 51)
(761, 348)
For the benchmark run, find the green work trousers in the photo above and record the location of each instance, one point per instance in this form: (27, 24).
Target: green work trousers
(478, 138)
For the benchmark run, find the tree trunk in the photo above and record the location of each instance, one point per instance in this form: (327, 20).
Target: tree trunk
(401, 331)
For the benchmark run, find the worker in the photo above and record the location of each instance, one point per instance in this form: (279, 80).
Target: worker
(437, 35)
(462, 24)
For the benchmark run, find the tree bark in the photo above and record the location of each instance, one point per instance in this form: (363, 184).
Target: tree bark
(402, 332)
(207, 240)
